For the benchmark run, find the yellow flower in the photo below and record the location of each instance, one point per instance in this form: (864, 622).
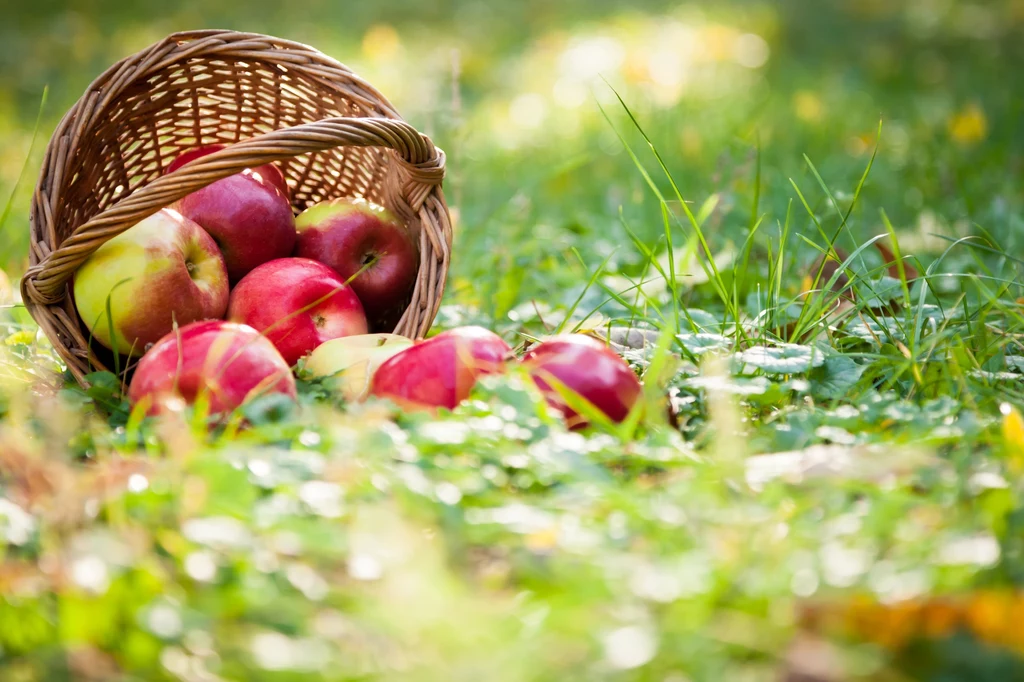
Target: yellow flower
(543, 540)
(858, 145)
(1014, 639)
(381, 42)
(693, 144)
(939, 619)
(23, 337)
(718, 41)
(1013, 436)
(988, 615)
(6, 293)
(969, 125)
(808, 106)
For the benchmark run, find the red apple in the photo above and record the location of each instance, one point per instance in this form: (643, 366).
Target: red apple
(228, 363)
(298, 304)
(369, 247)
(583, 367)
(247, 214)
(162, 270)
(268, 171)
(441, 371)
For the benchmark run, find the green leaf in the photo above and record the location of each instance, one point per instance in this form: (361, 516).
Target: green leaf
(882, 291)
(787, 358)
(835, 377)
(228, 491)
(6, 213)
(87, 619)
(700, 343)
(731, 385)
(1015, 362)
(697, 320)
(272, 408)
(105, 392)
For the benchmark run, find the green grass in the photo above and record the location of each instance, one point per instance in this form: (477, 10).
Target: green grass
(829, 305)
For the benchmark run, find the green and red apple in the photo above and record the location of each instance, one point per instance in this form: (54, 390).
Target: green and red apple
(161, 271)
(226, 364)
(351, 361)
(369, 247)
(573, 370)
(441, 371)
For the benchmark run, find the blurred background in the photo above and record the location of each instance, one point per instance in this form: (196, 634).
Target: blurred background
(514, 91)
(747, 102)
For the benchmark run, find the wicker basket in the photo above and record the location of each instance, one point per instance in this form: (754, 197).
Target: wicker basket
(270, 100)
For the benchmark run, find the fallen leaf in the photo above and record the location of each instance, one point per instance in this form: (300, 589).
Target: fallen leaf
(892, 267)
(829, 267)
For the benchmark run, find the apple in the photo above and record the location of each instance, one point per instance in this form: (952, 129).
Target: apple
(227, 363)
(441, 371)
(247, 214)
(268, 171)
(298, 304)
(350, 362)
(162, 270)
(587, 369)
(369, 247)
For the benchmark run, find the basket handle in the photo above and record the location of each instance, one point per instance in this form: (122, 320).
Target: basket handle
(417, 167)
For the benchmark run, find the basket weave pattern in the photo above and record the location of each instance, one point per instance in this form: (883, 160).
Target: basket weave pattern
(331, 133)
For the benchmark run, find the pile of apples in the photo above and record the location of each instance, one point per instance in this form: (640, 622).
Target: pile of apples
(571, 370)
(223, 292)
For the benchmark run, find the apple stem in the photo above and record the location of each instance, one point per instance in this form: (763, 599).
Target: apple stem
(366, 266)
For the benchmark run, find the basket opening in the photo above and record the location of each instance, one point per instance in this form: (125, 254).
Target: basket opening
(197, 102)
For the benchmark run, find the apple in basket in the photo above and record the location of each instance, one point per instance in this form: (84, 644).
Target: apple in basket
(162, 270)
(298, 304)
(268, 171)
(441, 371)
(350, 362)
(228, 364)
(576, 367)
(369, 247)
(247, 214)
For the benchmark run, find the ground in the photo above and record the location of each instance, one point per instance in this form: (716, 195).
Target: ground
(799, 222)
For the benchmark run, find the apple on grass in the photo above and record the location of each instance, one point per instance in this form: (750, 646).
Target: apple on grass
(247, 214)
(576, 367)
(369, 247)
(298, 304)
(161, 271)
(350, 362)
(441, 371)
(226, 364)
